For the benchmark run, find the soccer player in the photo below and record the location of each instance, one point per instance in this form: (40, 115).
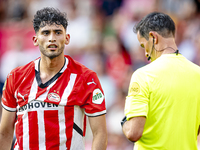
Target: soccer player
(46, 100)
(162, 109)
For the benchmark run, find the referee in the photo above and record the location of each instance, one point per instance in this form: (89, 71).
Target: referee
(162, 109)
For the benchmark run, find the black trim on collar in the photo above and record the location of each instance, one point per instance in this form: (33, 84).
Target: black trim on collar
(39, 81)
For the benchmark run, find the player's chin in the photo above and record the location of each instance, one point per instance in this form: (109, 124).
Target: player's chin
(52, 55)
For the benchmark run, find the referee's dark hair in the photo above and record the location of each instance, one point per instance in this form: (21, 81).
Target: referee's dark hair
(156, 21)
(49, 16)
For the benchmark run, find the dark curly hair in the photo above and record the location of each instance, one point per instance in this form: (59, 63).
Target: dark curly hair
(156, 21)
(49, 16)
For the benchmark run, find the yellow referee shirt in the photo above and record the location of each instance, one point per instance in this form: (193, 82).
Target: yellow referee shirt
(167, 93)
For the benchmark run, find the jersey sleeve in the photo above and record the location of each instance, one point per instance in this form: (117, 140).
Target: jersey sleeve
(138, 96)
(93, 96)
(8, 100)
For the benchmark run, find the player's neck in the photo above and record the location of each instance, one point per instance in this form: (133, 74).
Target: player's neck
(50, 67)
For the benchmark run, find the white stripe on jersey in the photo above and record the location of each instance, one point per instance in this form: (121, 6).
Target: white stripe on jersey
(96, 114)
(16, 96)
(77, 139)
(68, 89)
(33, 90)
(62, 131)
(37, 64)
(41, 130)
(65, 66)
(25, 131)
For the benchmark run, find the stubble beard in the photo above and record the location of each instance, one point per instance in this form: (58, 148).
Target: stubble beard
(51, 55)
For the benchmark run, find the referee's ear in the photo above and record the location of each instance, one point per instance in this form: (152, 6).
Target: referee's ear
(35, 41)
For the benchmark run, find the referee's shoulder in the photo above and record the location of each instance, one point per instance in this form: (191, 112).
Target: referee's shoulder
(144, 68)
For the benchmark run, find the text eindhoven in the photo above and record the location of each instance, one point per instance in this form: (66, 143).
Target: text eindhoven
(36, 105)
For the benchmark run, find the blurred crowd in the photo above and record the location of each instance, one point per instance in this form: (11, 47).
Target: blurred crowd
(102, 39)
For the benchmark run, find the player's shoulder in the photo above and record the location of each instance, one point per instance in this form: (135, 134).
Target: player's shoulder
(20, 70)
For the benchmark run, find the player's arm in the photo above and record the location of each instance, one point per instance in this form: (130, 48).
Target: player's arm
(133, 128)
(7, 129)
(98, 127)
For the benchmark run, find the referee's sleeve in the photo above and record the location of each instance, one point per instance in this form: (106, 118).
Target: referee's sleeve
(136, 103)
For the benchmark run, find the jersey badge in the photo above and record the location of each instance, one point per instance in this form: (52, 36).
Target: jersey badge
(54, 97)
(135, 88)
(98, 96)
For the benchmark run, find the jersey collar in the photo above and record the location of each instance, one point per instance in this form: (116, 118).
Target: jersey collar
(37, 73)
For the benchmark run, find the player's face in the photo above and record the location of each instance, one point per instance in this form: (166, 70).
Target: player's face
(51, 40)
(147, 45)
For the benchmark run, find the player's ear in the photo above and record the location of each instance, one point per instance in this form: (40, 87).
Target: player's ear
(67, 39)
(35, 41)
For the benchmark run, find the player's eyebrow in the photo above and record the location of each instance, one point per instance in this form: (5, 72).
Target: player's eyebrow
(58, 30)
(50, 30)
(43, 31)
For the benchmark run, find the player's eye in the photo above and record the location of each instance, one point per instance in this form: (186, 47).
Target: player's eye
(45, 32)
(58, 32)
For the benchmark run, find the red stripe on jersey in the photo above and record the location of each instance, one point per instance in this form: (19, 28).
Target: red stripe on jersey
(69, 116)
(51, 124)
(84, 125)
(33, 130)
(19, 131)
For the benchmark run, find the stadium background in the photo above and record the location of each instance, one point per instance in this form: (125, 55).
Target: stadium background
(102, 39)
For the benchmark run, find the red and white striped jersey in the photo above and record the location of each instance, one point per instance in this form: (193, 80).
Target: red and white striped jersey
(51, 115)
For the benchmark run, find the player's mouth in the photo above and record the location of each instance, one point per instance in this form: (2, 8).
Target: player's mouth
(52, 47)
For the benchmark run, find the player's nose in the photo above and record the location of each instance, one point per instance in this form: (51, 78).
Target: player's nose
(52, 38)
